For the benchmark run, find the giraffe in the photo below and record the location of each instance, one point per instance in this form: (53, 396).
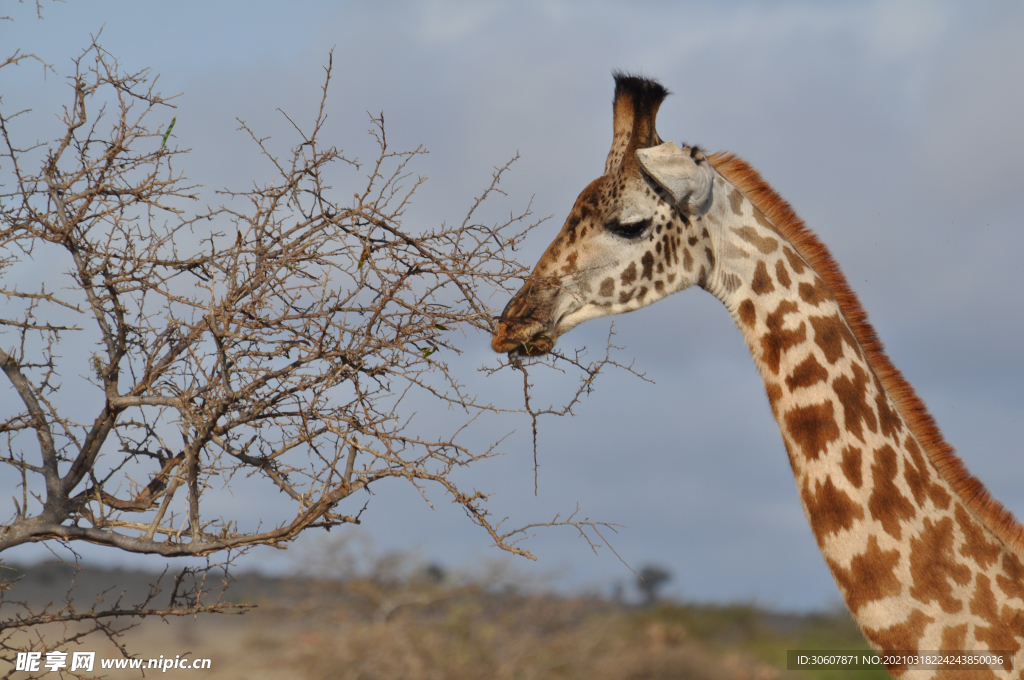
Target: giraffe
(924, 558)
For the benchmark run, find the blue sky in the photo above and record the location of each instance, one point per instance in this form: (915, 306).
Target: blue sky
(892, 128)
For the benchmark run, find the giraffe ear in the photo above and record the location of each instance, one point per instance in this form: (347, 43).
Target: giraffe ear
(678, 173)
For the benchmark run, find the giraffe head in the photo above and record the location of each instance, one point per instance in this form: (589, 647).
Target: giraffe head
(633, 236)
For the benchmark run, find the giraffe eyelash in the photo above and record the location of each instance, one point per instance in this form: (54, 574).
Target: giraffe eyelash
(628, 231)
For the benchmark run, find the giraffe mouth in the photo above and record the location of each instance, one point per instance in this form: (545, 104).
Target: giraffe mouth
(522, 337)
(530, 322)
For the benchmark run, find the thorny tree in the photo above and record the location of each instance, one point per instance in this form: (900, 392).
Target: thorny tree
(155, 355)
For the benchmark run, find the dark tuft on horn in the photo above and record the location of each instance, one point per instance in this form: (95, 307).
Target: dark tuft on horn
(646, 94)
(637, 100)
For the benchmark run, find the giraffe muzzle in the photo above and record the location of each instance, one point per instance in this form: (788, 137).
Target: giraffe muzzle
(506, 340)
(519, 331)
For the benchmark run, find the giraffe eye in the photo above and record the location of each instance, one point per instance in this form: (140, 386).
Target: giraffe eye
(631, 230)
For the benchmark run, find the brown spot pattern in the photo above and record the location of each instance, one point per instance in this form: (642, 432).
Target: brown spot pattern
(815, 294)
(918, 476)
(887, 505)
(766, 244)
(830, 332)
(782, 274)
(889, 421)
(736, 202)
(629, 275)
(572, 223)
(871, 576)
(808, 372)
(902, 636)
(731, 282)
(830, 509)
(762, 220)
(916, 471)
(607, 287)
(762, 282)
(932, 566)
(748, 315)
(812, 428)
(570, 263)
(774, 394)
(853, 396)
(851, 466)
(777, 340)
(1002, 620)
(670, 244)
(1013, 583)
(939, 496)
(795, 261)
(687, 260)
(954, 637)
(648, 263)
(976, 547)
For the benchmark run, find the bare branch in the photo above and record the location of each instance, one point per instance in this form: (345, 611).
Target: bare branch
(277, 340)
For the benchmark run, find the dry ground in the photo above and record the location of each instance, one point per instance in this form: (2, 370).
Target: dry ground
(420, 627)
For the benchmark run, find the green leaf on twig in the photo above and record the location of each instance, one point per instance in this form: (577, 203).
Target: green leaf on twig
(425, 351)
(168, 133)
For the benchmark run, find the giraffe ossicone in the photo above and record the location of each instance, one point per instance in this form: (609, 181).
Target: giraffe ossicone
(924, 557)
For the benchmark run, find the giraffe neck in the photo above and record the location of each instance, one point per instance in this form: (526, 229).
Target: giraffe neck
(924, 559)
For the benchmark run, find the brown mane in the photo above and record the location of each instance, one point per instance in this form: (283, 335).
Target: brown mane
(970, 490)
